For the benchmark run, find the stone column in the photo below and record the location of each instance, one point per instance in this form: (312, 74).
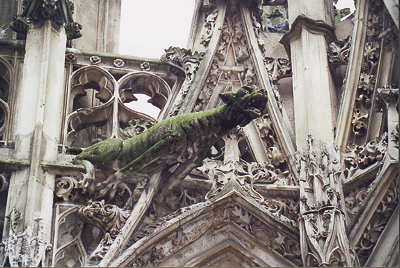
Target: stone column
(37, 128)
(323, 238)
(307, 41)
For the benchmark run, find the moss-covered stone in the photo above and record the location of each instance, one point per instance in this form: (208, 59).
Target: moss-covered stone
(181, 139)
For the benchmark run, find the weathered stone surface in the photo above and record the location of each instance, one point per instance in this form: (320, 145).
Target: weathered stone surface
(265, 194)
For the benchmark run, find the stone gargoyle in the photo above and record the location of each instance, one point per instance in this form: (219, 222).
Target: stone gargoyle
(183, 140)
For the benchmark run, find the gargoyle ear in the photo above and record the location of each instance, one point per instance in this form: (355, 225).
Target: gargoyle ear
(227, 97)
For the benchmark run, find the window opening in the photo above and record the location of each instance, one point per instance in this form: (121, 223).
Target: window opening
(143, 104)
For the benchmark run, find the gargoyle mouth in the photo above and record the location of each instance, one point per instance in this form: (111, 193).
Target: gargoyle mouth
(256, 105)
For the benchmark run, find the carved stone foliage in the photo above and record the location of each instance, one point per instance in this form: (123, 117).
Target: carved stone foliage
(319, 171)
(97, 106)
(284, 208)
(324, 239)
(378, 222)
(103, 209)
(86, 232)
(278, 162)
(145, 66)
(241, 217)
(278, 241)
(136, 127)
(208, 28)
(209, 85)
(119, 63)
(232, 66)
(354, 200)
(339, 52)
(183, 59)
(379, 28)
(186, 61)
(358, 158)
(95, 59)
(249, 175)
(179, 201)
(326, 243)
(25, 246)
(288, 248)
(60, 12)
(277, 68)
(89, 186)
(108, 218)
(70, 57)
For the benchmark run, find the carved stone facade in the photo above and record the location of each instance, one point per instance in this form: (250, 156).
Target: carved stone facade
(312, 181)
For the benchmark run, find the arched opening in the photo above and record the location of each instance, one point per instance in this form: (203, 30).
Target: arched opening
(144, 93)
(4, 98)
(90, 87)
(90, 107)
(143, 104)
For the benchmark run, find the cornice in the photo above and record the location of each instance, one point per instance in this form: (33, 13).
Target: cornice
(315, 26)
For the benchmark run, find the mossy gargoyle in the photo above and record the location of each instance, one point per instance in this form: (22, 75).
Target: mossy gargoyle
(183, 140)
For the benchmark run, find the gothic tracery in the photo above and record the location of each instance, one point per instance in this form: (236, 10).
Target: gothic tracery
(288, 189)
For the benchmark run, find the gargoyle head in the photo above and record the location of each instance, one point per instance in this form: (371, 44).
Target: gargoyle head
(245, 105)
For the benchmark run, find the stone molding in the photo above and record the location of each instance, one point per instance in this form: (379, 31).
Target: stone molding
(311, 25)
(37, 11)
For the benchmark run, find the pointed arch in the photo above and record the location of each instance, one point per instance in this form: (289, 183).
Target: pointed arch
(233, 222)
(91, 77)
(90, 107)
(6, 74)
(145, 83)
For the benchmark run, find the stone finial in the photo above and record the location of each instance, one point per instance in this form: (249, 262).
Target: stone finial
(60, 12)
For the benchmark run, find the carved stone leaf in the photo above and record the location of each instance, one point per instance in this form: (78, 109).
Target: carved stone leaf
(378, 222)
(243, 217)
(65, 187)
(108, 218)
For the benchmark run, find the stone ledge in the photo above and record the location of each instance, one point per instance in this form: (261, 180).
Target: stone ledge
(312, 25)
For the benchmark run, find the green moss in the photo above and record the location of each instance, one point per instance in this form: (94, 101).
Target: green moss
(187, 137)
(101, 152)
